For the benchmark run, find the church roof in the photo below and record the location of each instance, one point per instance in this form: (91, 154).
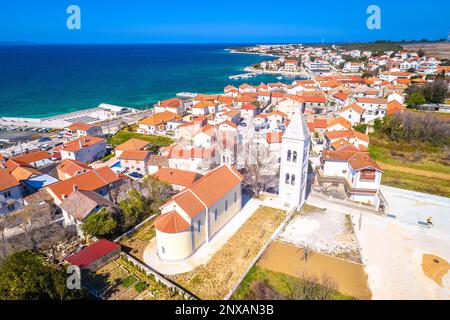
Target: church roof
(297, 128)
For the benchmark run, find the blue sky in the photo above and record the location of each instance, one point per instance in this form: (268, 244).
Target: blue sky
(228, 21)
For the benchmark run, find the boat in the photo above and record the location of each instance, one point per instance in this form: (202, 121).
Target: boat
(280, 78)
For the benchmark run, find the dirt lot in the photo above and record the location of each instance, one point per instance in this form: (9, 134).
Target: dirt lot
(217, 277)
(350, 278)
(439, 50)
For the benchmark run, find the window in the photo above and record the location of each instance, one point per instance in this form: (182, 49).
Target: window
(294, 156)
(293, 179)
(10, 207)
(226, 205)
(215, 214)
(7, 194)
(287, 178)
(235, 197)
(198, 226)
(288, 158)
(163, 250)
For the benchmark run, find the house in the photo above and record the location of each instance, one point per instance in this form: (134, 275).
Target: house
(131, 144)
(356, 170)
(374, 108)
(178, 179)
(340, 98)
(96, 255)
(11, 198)
(276, 119)
(205, 137)
(203, 108)
(357, 139)
(36, 158)
(339, 124)
(84, 149)
(248, 111)
(135, 161)
(187, 130)
(101, 180)
(193, 216)
(79, 205)
(274, 140)
(291, 65)
(194, 159)
(233, 116)
(173, 105)
(156, 123)
(352, 113)
(157, 162)
(69, 168)
(79, 129)
(394, 107)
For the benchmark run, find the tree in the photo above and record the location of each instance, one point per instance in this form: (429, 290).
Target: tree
(310, 287)
(420, 53)
(27, 276)
(262, 290)
(134, 208)
(415, 99)
(101, 223)
(436, 92)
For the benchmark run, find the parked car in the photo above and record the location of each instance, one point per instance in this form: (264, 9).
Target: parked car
(136, 175)
(44, 139)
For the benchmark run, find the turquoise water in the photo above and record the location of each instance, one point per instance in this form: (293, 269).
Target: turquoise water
(40, 81)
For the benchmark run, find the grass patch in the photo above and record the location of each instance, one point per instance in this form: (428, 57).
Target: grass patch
(128, 281)
(214, 279)
(416, 183)
(140, 286)
(123, 136)
(415, 155)
(107, 157)
(277, 280)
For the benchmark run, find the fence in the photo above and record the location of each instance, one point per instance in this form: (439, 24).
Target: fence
(159, 277)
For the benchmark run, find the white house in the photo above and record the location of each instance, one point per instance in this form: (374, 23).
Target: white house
(352, 113)
(10, 193)
(360, 174)
(85, 149)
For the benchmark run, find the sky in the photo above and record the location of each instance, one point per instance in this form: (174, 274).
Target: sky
(214, 21)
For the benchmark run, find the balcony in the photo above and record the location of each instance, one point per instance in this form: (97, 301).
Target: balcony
(347, 184)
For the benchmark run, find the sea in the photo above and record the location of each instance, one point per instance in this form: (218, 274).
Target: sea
(45, 80)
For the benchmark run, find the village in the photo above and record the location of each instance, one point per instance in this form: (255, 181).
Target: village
(271, 186)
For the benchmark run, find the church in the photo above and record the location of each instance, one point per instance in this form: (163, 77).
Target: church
(294, 162)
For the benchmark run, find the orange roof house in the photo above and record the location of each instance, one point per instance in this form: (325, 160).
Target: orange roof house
(159, 118)
(99, 180)
(177, 177)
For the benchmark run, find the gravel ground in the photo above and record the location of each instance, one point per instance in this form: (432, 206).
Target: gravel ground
(321, 231)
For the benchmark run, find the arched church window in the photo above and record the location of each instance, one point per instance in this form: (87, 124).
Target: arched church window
(293, 179)
(287, 178)
(289, 154)
(294, 156)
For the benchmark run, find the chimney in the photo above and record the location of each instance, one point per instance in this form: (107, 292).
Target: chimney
(81, 143)
(75, 188)
(64, 196)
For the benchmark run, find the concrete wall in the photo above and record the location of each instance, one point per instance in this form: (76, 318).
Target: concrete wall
(174, 246)
(223, 216)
